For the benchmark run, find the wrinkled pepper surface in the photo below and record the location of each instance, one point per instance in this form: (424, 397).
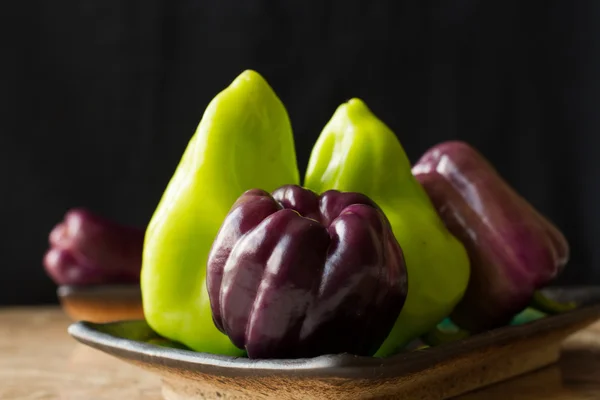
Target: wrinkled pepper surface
(243, 141)
(357, 152)
(513, 249)
(300, 275)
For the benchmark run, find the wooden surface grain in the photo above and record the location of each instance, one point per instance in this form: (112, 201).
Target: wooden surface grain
(40, 361)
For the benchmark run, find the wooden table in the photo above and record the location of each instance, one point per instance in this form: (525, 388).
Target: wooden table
(39, 360)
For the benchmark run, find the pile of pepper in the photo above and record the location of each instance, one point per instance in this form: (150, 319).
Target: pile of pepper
(364, 256)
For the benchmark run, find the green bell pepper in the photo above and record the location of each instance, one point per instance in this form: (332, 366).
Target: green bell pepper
(358, 152)
(244, 140)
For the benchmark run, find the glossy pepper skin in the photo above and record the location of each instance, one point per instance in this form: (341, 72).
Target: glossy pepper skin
(244, 140)
(88, 249)
(357, 152)
(513, 249)
(300, 275)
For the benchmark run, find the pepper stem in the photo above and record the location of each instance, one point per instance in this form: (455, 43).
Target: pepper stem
(547, 305)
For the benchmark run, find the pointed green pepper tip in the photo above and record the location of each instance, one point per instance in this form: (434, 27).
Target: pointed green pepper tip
(356, 106)
(248, 74)
(357, 112)
(249, 77)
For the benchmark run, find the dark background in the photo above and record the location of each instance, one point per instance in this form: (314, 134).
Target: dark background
(99, 98)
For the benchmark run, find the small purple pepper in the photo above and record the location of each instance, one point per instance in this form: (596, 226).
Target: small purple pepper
(86, 249)
(513, 249)
(294, 274)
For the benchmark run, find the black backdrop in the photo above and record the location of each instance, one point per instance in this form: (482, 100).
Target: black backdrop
(99, 99)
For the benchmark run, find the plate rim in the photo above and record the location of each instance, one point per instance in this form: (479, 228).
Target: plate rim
(332, 365)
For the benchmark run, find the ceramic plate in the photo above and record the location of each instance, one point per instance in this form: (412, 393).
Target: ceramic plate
(434, 373)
